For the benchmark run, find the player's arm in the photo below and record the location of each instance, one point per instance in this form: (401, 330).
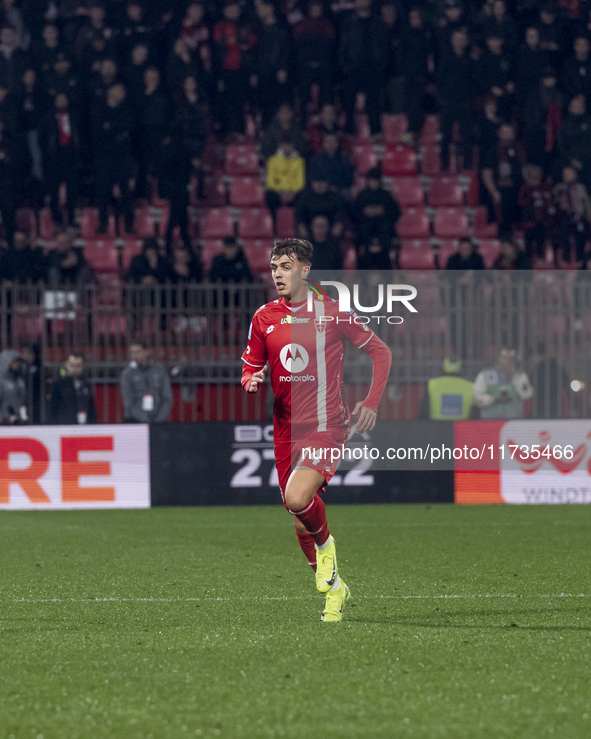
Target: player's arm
(381, 357)
(254, 358)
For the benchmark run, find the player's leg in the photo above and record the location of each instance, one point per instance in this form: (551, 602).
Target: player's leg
(303, 502)
(306, 542)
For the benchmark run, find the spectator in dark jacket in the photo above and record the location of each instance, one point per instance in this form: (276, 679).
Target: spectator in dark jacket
(542, 114)
(271, 62)
(502, 177)
(153, 117)
(72, 399)
(232, 61)
(13, 60)
(575, 77)
(465, 257)
(328, 254)
(363, 58)
(148, 268)
(456, 85)
(529, 61)
(574, 140)
(319, 199)
(65, 264)
(415, 63)
(113, 126)
(376, 212)
(337, 165)
(231, 266)
(21, 264)
(7, 180)
(60, 141)
(283, 123)
(315, 52)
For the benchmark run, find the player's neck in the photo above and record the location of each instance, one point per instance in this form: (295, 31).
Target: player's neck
(300, 296)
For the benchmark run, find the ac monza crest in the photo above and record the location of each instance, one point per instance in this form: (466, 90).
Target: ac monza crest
(319, 324)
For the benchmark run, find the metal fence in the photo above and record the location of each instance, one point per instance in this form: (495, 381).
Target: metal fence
(199, 332)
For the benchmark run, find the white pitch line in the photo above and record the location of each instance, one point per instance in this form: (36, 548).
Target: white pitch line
(16, 601)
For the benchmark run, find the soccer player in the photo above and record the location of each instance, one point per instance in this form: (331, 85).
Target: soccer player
(304, 344)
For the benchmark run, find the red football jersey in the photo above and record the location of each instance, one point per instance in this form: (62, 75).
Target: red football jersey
(305, 350)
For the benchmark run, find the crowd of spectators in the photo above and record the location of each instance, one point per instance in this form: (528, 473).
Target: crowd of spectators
(112, 97)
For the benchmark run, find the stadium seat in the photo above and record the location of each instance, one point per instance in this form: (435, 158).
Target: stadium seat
(364, 157)
(430, 131)
(394, 126)
(284, 226)
(450, 223)
(247, 191)
(408, 191)
(430, 161)
(214, 195)
(46, 224)
(89, 223)
(131, 248)
(445, 191)
(241, 159)
(399, 160)
(416, 254)
(255, 223)
(258, 254)
(102, 255)
(210, 248)
(26, 221)
(482, 228)
(489, 250)
(217, 224)
(414, 224)
(143, 222)
(447, 247)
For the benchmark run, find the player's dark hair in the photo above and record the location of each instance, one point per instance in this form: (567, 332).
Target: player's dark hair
(300, 249)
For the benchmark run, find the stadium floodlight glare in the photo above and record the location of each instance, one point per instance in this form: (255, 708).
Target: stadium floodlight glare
(577, 385)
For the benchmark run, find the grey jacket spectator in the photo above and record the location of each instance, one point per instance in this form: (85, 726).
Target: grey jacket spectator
(13, 389)
(145, 387)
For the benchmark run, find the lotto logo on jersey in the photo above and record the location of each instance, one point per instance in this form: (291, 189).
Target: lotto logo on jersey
(294, 358)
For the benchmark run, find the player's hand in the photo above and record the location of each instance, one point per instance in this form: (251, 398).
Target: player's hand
(366, 420)
(256, 380)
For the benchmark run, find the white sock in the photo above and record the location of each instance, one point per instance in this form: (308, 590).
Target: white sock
(322, 547)
(337, 583)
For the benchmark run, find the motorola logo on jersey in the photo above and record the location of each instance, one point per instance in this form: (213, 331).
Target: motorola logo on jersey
(294, 358)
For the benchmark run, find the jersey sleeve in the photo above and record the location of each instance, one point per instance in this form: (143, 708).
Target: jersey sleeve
(255, 354)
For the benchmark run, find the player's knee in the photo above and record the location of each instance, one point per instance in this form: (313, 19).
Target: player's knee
(295, 499)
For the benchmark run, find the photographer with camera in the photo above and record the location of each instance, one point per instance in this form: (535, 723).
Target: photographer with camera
(499, 391)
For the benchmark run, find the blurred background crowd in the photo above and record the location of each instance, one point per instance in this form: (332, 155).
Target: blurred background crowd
(382, 131)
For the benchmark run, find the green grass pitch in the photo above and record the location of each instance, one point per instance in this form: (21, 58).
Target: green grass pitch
(464, 622)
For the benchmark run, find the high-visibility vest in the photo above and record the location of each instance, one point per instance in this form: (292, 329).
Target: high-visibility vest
(450, 398)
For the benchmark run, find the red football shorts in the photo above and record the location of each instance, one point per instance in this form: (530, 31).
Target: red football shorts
(319, 451)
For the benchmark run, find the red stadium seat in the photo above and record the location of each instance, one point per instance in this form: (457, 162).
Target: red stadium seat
(131, 248)
(102, 255)
(241, 159)
(408, 191)
(416, 254)
(482, 228)
(430, 161)
(445, 191)
(489, 250)
(255, 223)
(217, 224)
(394, 127)
(247, 191)
(258, 254)
(143, 223)
(414, 224)
(46, 224)
(210, 248)
(450, 223)
(26, 221)
(89, 223)
(430, 131)
(447, 247)
(399, 160)
(284, 226)
(364, 157)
